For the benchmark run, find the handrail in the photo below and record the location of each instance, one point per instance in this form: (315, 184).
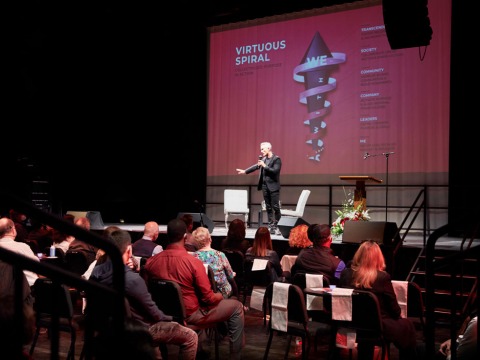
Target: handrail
(432, 265)
(115, 293)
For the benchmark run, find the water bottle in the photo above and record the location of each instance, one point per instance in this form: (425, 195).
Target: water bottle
(298, 346)
(52, 251)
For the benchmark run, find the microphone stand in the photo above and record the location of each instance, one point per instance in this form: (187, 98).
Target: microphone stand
(387, 155)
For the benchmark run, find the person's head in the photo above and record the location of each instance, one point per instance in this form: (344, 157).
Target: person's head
(17, 216)
(369, 256)
(83, 222)
(262, 242)
(123, 241)
(201, 237)
(188, 218)
(151, 230)
(298, 237)
(236, 233)
(265, 148)
(319, 234)
(7, 228)
(176, 231)
(366, 262)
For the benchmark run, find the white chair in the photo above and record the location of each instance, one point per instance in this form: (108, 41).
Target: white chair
(235, 202)
(302, 201)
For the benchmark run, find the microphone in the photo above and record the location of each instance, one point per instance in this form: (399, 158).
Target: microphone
(260, 157)
(366, 155)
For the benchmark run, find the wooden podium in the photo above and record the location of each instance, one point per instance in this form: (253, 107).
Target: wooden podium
(360, 195)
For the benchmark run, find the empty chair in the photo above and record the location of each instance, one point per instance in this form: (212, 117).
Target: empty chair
(235, 202)
(53, 302)
(300, 208)
(297, 320)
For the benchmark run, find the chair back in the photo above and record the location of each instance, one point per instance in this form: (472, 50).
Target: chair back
(300, 279)
(236, 260)
(52, 298)
(76, 262)
(235, 202)
(300, 208)
(167, 294)
(415, 304)
(366, 320)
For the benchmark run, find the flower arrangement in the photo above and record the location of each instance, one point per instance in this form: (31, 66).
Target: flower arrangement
(348, 212)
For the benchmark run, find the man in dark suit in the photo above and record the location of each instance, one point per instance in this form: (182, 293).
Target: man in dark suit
(269, 165)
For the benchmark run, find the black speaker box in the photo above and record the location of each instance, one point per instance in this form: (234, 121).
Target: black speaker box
(380, 231)
(286, 223)
(199, 219)
(406, 23)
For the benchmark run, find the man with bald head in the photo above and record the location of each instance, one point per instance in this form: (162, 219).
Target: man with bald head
(146, 246)
(8, 233)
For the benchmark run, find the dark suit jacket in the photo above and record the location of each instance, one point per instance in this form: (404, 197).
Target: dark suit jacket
(271, 173)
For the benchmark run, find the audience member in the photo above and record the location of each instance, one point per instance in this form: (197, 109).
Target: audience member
(235, 240)
(367, 272)
(466, 344)
(190, 244)
(89, 250)
(12, 336)
(216, 259)
(40, 234)
(147, 246)
(319, 258)
(161, 326)
(262, 249)
(8, 233)
(20, 221)
(100, 256)
(298, 239)
(202, 305)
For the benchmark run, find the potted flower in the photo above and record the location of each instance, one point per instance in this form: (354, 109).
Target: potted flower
(348, 212)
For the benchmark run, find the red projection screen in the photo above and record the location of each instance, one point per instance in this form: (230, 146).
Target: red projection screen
(324, 87)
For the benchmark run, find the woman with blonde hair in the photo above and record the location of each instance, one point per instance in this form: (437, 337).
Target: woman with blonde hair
(367, 272)
(216, 259)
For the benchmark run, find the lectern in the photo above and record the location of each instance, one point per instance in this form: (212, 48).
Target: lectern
(360, 194)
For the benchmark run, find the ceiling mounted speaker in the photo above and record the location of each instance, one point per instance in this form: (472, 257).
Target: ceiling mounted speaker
(406, 23)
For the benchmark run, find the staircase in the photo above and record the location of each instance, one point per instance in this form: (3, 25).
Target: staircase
(457, 292)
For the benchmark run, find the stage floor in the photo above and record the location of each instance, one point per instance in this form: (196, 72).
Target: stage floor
(411, 240)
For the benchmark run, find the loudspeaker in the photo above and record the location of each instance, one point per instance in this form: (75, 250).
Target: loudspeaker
(286, 223)
(198, 219)
(380, 231)
(406, 23)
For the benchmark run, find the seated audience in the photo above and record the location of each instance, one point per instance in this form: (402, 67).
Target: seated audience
(262, 249)
(8, 233)
(216, 259)
(319, 258)
(147, 246)
(161, 326)
(235, 240)
(89, 250)
(202, 305)
(190, 244)
(367, 272)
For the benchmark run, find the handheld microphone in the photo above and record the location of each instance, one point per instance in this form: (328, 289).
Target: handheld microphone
(260, 157)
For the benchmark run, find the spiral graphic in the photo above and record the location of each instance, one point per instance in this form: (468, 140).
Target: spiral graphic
(314, 71)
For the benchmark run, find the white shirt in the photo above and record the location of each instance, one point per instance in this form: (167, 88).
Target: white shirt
(9, 243)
